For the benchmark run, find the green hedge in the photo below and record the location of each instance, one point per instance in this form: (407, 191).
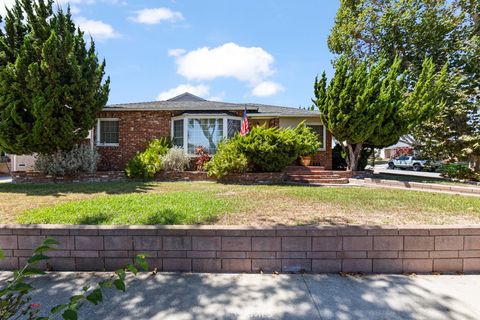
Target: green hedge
(147, 163)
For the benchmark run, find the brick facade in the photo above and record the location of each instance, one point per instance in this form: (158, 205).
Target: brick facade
(323, 249)
(137, 128)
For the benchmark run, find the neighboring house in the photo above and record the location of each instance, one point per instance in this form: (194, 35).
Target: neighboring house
(190, 121)
(17, 163)
(389, 152)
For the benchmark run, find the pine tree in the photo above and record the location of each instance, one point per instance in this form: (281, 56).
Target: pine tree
(367, 104)
(51, 82)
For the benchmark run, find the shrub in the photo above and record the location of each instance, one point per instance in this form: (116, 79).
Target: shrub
(202, 158)
(307, 140)
(82, 158)
(149, 162)
(459, 171)
(175, 160)
(269, 149)
(228, 159)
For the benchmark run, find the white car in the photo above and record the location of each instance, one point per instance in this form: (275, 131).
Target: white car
(409, 162)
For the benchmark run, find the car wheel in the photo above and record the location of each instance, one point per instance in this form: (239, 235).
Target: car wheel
(391, 165)
(417, 167)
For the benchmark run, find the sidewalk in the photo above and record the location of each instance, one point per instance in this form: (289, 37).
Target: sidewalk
(255, 296)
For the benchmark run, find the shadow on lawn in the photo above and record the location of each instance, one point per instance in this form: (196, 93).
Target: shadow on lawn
(60, 189)
(230, 296)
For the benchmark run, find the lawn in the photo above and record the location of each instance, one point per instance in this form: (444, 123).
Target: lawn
(213, 203)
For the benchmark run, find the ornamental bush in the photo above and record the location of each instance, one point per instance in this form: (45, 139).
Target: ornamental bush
(81, 159)
(149, 162)
(228, 159)
(307, 140)
(459, 171)
(262, 150)
(176, 160)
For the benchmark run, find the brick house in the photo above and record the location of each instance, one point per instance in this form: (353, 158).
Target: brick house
(190, 121)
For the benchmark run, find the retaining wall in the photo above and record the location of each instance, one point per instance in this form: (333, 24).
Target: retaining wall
(37, 177)
(327, 249)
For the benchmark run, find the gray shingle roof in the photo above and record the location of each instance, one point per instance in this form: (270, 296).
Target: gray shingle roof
(190, 103)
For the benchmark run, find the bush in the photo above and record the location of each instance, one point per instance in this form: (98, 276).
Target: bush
(228, 159)
(175, 160)
(459, 171)
(202, 158)
(269, 149)
(307, 140)
(149, 162)
(82, 158)
(338, 158)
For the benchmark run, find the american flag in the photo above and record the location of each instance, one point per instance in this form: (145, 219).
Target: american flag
(245, 128)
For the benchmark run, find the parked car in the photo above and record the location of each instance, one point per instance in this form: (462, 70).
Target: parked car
(409, 162)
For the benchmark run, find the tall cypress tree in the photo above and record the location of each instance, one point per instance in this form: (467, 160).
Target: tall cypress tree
(51, 81)
(368, 104)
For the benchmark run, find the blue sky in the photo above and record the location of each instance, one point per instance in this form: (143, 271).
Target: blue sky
(265, 51)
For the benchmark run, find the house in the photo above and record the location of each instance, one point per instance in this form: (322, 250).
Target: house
(190, 121)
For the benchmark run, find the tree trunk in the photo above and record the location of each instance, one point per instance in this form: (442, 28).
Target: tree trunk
(354, 151)
(474, 163)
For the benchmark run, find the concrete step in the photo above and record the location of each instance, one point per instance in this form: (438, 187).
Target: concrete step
(315, 174)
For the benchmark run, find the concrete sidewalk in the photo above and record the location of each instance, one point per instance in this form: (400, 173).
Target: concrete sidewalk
(255, 296)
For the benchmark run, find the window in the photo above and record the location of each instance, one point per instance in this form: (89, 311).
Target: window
(191, 131)
(233, 127)
(320, 131)
(107, 132)
(178, 133)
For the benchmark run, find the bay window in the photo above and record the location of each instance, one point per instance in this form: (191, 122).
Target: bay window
(190, 131)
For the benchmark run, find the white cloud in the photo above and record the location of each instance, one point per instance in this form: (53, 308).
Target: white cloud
(156, 16)
(176, 52)
(200, 90)
(250, 64)
(96, 28)
(4, 4)
(267, 88)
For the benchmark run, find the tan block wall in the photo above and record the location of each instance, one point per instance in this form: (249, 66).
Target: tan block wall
(324, 249)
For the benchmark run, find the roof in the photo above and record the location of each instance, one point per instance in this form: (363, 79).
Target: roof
(188, 102)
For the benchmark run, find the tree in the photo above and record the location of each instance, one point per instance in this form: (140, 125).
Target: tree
(447, 32)
(367, 104)
(51, 82)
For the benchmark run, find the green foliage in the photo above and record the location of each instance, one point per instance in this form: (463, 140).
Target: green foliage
(263, 150)
(269, 149)
(15, 299)
(459, 171)
(51, 85)
(176, 160)
(227, 159)
(448, 34)
(307, 140)
(82, 158)
(149, 162)
(367, 103)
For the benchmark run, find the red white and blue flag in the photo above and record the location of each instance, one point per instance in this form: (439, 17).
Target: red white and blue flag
(245, 128)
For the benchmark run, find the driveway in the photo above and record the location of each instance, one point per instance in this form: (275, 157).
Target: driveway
(5, 179)
(383, 169)
(267, 296)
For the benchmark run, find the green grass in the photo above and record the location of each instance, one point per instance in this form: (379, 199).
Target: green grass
(136, 202)
(171, 208)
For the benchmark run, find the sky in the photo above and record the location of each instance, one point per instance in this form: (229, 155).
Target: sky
(266, 51)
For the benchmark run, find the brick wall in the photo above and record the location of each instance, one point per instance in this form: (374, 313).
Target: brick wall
(324, 158)
(327, 249)
(136, 129)
(37, 177)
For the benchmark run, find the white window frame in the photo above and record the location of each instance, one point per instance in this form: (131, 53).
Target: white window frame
(186, 116)
(324, 148)
(98, 133)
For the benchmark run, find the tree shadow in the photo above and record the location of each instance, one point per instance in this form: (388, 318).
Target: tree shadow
(267, 296)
